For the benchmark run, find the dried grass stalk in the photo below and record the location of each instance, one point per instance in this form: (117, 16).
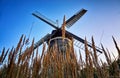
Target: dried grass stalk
(63, 28)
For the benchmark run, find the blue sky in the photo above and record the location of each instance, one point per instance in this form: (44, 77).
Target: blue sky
(102, 19)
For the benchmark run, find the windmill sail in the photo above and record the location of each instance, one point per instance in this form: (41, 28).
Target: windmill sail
(83, 41)
(75, 18)
(45, 38)
(45, 19)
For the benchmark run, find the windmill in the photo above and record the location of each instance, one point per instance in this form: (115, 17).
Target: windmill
(59, 33)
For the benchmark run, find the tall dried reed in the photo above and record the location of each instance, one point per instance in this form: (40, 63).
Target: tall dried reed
(21, 62)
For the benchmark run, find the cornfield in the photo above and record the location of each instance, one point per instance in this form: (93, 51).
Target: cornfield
(24, 62)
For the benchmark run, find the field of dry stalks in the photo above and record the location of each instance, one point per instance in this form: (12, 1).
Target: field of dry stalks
(23, 62)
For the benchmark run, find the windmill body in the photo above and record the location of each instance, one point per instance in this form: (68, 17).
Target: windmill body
(62, 43)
